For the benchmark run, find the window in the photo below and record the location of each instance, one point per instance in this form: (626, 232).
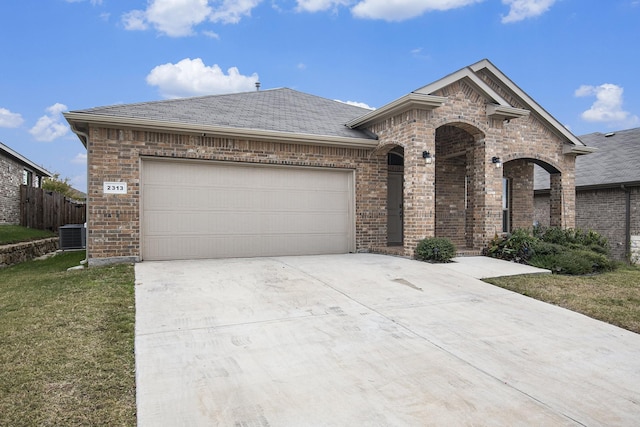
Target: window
(27, 177)
(506, 195)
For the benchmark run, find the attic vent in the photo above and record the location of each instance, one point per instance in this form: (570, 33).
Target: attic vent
(607, 135)
(73, 236)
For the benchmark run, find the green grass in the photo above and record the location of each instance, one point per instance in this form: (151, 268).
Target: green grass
(66, 344)
(613, 297)
(17, 233)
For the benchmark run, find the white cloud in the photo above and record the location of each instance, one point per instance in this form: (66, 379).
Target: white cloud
(320, 5)
(356, 104)
(135, 20)
(51, 125)
(191, 77)
(231, 11)
(80, 159)
(211, 35)
(607, 106)
(9, 119)
(177, 18)
(401, 10)
(522, 9)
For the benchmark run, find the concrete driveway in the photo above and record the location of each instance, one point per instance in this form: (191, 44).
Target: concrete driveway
(369, 340)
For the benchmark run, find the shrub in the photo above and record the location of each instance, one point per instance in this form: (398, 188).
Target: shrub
(516, 246)
(436, 249)
(574, 238)
(573, 261)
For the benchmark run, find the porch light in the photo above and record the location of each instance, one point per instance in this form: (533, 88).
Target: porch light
(496, 161)
(427, 157)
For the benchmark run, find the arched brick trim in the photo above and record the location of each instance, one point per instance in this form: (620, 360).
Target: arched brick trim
(544, 162)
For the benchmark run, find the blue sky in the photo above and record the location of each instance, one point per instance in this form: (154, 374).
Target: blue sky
(579, 59)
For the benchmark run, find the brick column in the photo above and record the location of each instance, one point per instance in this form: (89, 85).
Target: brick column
(419, 190)
(562, 201)
(486, 184)
(520, 173)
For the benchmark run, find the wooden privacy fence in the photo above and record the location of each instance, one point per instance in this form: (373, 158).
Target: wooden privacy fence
(48, 210)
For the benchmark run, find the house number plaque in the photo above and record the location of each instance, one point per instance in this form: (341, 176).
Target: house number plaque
(114, 188)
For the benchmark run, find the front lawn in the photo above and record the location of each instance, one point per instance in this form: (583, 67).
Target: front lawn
(66, 352)
(17, 233)
(612, 297)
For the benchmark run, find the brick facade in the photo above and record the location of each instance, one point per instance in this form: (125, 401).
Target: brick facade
(464, 140)
(458, 195)
(115, 155)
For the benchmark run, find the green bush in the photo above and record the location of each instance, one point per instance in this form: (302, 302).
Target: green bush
(436, 249)
(516, 246)
(573, 261)
(574, 238)
(561, 251)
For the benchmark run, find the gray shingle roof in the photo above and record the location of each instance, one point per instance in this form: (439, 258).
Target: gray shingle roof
(280, 110)
(617, 160)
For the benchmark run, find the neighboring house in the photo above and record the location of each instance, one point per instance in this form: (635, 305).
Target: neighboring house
(607, 191)
(16, 170)
(280, 172)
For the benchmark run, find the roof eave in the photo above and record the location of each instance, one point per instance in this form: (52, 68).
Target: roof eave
(77, 118)
(412, 100)
(506, 112)
(24, 161)
(578, 150)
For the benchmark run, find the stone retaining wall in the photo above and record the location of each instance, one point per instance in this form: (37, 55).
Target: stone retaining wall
(21, 252)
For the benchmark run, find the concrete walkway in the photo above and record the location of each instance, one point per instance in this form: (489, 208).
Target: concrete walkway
(369, 340)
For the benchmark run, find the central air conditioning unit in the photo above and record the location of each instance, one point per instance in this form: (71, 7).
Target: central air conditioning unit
(73, 236)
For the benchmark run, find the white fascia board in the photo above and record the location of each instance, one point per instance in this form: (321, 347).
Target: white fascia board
(578, 149)
(260, 134)
(541, 112)
(412, 100)
(494, 110)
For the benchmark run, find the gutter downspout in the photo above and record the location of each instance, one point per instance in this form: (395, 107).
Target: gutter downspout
(84, 137)
(627, 224)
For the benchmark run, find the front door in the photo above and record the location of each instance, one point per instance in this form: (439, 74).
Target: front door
(394, 208)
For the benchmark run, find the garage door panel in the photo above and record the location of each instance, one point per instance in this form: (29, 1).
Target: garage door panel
(159, 224)
(172, 198)
(214, 210)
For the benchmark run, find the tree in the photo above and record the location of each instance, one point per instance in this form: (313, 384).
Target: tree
(60, 185)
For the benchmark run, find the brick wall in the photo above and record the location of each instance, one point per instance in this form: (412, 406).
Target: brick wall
(115, 155)
(520, 175)
(10, 180)
(604, 211)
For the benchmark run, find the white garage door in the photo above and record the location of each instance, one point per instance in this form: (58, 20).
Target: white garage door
(219, 210)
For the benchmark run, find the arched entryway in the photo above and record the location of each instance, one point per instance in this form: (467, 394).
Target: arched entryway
(459, 146)
(395, 197)
(518, 202)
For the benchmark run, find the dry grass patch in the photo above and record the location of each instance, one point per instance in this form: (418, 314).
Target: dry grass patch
(612, 297)
(67, 344)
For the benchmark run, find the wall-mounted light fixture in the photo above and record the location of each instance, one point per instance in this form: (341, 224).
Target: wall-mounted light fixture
(427, 157)
(496, 161)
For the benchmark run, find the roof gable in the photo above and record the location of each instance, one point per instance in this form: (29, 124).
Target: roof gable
(497, 105)
(485, 66)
